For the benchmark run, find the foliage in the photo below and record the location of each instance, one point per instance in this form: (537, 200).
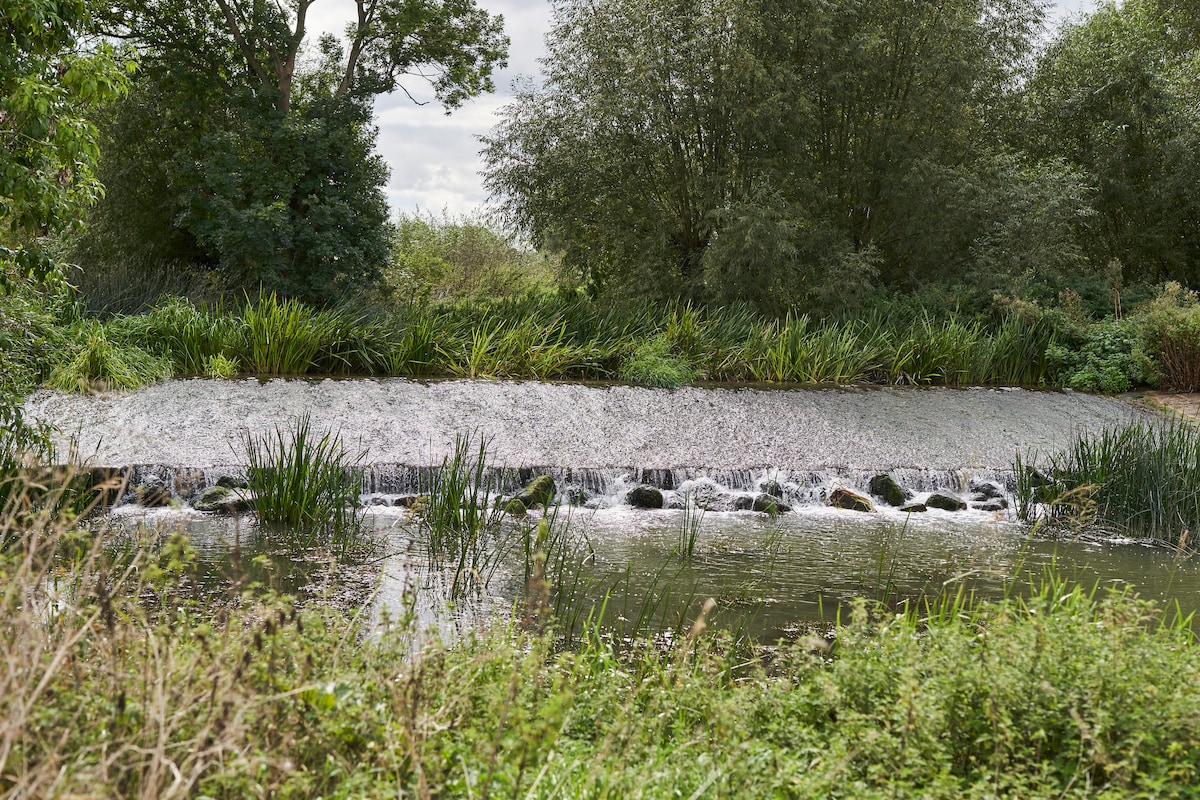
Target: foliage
(305, 481)
(256, 160)
(48, 148)
(99, 364)
(777, 153)
(1065, 694)
(1115, 97)
(1138, 479)
(1171, 331)
(439, 258)
(1106, 356)
(653, 364)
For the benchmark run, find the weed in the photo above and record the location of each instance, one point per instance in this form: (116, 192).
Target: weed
(307, 483)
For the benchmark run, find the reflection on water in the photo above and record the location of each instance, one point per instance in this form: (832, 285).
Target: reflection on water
(768, 575)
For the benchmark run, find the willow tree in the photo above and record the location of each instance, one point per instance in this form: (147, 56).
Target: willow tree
(765, 151)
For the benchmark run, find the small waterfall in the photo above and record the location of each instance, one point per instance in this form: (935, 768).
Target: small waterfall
(387, 484)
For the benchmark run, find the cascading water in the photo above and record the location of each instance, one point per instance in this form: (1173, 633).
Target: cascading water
(710, 448)
(596, 440)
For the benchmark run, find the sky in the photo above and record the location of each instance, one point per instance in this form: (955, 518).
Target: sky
(434, 157)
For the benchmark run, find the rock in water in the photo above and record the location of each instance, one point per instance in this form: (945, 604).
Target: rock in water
(885, 488)
(946, 502)
(538, 492)
(770, 504)
(644, 497)
(849, 500)
(223, 500)
(914, 508)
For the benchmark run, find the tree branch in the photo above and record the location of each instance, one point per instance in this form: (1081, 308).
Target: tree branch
(247, 51)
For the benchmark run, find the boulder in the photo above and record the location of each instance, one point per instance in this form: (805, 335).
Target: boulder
(770, 504)
(188, 483)
(772, 489)
(232, 482)
(673, 501)
(224, 500)
(849, 500)
(152, 493)
(914, 508)
(886, 489)
(538, 492)
(946, 502)
(984, 490)
(995, 504)
(741, 502)
(516, 507)
(644, 497)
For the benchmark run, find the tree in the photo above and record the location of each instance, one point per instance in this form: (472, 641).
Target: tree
(1117, 97)
(769, 151)
(265, 168)
(48, 149)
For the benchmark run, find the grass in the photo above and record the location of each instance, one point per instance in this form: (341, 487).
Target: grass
(120, 681)
(457, 520)
(308, 485)
(1138, 480)
(550, 338)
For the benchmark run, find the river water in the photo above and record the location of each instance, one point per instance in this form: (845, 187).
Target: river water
(768, 574)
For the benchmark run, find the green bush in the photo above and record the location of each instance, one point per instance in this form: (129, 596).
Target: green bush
(440, 258)
(1171, 331)
(653, 363)
(1105, 356)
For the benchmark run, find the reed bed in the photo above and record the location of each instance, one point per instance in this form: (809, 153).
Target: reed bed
(1139, 480)
(544, 338)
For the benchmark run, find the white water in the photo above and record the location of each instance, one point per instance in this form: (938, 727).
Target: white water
(200, 423)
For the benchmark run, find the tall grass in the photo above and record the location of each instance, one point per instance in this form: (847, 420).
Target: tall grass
(458, 521)
(120, 682)
(1140, 479)
(551, 338)
(307, 483)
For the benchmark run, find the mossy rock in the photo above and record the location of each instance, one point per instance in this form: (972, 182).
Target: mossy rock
(644, 497)
(946, 502)
(152, 494)
(914, 508)
(516, 507)
(538, 492)
(223, 500)
(773, 489)
(770, 504)
(844, 498)
(886, 489)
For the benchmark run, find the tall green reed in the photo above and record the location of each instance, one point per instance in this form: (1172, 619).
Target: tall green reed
(458, 522)
(1138, 479)
(308, 485)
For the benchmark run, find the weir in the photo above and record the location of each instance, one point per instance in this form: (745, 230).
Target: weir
(596, 440)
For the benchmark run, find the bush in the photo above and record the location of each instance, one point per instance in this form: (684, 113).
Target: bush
(1106, 356)
(440, 258)
(1171, 332)
(653, 363)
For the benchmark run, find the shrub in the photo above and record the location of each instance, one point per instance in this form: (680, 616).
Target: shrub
(1106, 356)
(1171, 331)
(653, 363)
(100, 364)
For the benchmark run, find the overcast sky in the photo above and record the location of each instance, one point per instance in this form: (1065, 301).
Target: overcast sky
(434, 157)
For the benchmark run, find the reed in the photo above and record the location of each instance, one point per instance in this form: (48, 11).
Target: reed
(457, 520)
(99, 363)
(306, 486)
(1139, 479)
(189, 336)
(285, 337)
